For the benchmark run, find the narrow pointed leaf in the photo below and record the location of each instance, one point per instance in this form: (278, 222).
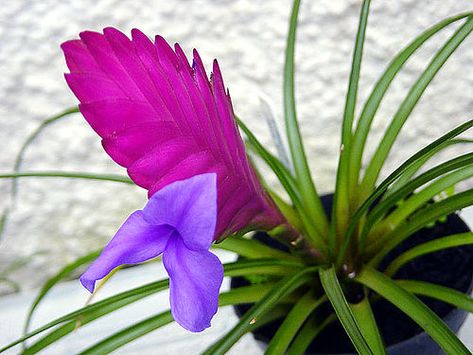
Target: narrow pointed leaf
(136, 293)
(61, 275)
(335, 294)
(310, 198)
(427, 193)
(20, 156)
(283, 174)
(129, 334)
(365, 319)
(307, 334)
(407, 176)
(293, 322)
(419, 220)
(239, 268)
(361, 211)
(450, 241)
(390, 202)
(244, 294)
(291, 187)
(406, 107)
(414, 308)
(342, 189)
(441, 293)
(251, 248)
(377, 94)
(32, 137)
(142, 328)
(266, 304)
(69, 174)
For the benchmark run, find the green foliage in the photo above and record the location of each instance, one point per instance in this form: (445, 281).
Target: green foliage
(414, 308)
(369, 219)
(310, 198)
(335, 294)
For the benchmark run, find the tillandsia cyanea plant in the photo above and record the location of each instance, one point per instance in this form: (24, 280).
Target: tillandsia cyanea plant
(176, 133)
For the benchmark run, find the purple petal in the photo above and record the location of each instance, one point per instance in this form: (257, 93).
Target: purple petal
(195, 278)
(136, 241)
(190, 206)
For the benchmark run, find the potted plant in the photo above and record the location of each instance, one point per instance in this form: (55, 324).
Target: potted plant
(356, 261)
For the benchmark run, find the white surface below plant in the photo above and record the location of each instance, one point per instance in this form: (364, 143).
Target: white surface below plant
(171, 339)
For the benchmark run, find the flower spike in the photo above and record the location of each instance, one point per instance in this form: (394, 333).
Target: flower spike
(165, 121)
(175, 132)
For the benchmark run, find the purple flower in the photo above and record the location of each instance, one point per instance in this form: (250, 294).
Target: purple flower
(179, 222)
(175, 132)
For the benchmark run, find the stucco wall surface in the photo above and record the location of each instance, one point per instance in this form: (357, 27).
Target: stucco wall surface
(65, 218)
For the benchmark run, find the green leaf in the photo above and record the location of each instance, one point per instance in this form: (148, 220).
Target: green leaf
(80, 321)
(283, 174)
(137, 330)
(290, 185)
(266, 304)
(70, 174)
(309, 195)
(414, 308)
(136, 293)
(377, 94)
(129, 334)
(31, 138)
(420, 198)
(246, 294)
(308, 332)
(47, 122)
(361, 211)
(406, 107)
(239, 268)
(419, 220)
(20, 155)
(441, 293)
(251, 248)
(393, 199)
(61, 275)
(261, 267)
(344, 313)
(293, 322)
(409, 173)
(287, 210)
(450, 241)
(342, 196)
(365, 319)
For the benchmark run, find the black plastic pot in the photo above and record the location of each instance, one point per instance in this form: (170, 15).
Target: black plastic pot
(450, 267)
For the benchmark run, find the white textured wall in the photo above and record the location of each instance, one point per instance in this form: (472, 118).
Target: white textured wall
(68, 218)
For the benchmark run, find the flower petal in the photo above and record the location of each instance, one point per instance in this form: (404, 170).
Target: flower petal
(188, 205)
(195, 278)
(136, 241)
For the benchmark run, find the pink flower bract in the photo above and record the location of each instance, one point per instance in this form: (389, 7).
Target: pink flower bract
(165, 121)
(175, 132)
